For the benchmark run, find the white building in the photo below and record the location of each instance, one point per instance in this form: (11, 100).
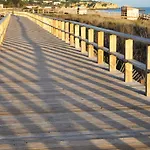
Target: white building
(56, 3)
(129, 13)
(1, 5)
(47, 1)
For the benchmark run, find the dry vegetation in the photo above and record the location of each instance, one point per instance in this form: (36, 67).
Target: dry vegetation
(139, 27)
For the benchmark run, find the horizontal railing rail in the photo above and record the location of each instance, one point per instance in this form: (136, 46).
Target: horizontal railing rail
(81, 36)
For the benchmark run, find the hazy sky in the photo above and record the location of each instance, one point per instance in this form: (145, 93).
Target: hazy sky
(139, 3)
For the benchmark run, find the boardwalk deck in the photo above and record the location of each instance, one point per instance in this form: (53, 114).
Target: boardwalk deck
(52, 97)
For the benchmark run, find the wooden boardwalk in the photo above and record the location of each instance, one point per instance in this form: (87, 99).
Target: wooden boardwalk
(52, 97)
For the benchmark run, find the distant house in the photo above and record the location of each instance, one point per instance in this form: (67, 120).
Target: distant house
(31, 7)
(1, 6)
(47, 1)
(47, 7)
(56, 3)
(129, 13)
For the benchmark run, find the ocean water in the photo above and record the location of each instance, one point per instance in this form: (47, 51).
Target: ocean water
(118, 10)
(147, 10)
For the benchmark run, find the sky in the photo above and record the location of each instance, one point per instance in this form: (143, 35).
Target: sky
(137, 3)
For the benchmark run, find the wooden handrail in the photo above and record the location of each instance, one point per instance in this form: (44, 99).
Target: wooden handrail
(75, 33)
(3, 27)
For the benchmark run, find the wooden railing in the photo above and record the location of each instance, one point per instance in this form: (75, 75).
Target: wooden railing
(3, 26)
(75, 33)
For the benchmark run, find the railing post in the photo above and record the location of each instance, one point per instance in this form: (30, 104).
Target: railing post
(1, 31)
(50, 27)
(112, 48)
(77, 41)
(148, 72)
(83, 36)
(91, 39)
(41, 22)
(67, 30)
(100, 54)
(37, 19)
(128, 55)
(54, 27)
(63, 30)
(57, 31)
(72, 32)
(43, 11)
(59, 27)
(46, 27)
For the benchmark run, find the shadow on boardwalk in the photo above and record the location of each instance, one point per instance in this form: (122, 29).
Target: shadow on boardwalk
(53, 97)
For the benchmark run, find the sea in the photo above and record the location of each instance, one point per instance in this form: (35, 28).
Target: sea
(145, 10)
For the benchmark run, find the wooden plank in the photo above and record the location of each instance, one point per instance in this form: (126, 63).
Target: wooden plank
(93, 144)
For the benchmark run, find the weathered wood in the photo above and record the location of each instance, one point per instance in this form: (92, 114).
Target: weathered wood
(67, 30)
(112, 54)
(53, 29)
(148, 72)
(63, 30)
(100, 54)
(112, 48)
(45, 26)
(83, 36)
(50, 27)
(3, 27)
(77, 41)
(41, 19)
(128, 55)
(57, 26)
(91, 39)
(71, 36)
(52, 97)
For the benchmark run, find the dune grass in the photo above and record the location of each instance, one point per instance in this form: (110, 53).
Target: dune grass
(138, 27)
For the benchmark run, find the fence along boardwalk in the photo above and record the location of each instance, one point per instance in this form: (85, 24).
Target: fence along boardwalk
(53, 97)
